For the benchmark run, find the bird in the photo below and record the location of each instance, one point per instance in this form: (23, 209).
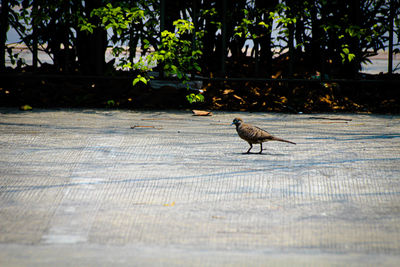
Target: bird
(254, 135)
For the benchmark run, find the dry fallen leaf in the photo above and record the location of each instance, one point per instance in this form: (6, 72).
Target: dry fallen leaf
(239, 98)
(201, 113)
(228, 91)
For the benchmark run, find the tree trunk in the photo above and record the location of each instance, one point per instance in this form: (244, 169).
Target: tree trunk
(316, 37)
(34, 37)
(355, 17)
(91, 48)
(172, 13)
(3, 32)
(265, 39)
(210, 41)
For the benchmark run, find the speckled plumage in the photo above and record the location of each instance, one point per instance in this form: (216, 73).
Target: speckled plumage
(254, 135)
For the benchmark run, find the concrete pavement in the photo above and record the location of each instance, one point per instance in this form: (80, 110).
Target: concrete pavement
(136, 188)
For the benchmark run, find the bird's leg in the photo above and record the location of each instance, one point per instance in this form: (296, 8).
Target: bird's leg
(261, 149)
(251, 146)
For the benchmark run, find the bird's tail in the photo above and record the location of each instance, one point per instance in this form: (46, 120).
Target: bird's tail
(283, 140)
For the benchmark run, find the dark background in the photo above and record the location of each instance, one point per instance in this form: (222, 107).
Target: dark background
(240, 64)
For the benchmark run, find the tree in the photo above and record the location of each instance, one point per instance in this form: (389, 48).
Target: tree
(4, 14)
(91, 47)
(326, 36)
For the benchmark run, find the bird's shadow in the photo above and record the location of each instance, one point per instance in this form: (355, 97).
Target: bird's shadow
(262, 154)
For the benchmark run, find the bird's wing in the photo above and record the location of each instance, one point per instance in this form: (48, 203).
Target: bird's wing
(253, 134)
(263, 134)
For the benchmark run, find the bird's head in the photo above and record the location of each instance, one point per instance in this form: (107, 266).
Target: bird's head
(237, 121)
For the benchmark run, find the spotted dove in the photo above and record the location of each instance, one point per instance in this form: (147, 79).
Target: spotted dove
(254, 135)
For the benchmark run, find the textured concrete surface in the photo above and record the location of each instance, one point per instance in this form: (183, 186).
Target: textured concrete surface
(82, 188)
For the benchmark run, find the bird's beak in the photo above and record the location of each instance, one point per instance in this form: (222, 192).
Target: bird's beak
(232, 123)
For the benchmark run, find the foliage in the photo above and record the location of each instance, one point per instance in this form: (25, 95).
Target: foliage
(176, 53)
(329, 36)
(178, 56)
(121, 20)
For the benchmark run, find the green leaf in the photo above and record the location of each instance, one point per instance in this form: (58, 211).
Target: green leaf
(196, 52)
(139, 78)
(127, 65)
(262, 23)
(192, 98)
(351, 57)
(143, 80)
(343, 57)
(174, 68)
(135, 81)
(111, 103)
